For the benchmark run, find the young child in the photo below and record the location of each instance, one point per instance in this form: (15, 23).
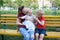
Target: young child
(29, 19)
(40, 27)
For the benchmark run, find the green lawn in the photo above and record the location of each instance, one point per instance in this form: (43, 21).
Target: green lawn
(12, 37)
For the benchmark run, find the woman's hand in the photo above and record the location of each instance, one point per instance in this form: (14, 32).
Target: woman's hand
(18, 22)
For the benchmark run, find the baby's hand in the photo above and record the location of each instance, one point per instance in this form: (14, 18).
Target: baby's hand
(26, 28)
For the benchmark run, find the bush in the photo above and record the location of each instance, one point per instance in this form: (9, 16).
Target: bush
(46, 12)
(57, 12)
(51, 12)
(8, 12)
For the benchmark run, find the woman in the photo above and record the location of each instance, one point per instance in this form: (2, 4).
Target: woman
(26, 31)
(22, 28)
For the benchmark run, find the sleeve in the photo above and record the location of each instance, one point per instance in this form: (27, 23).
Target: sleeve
(18, 15)
(23, 17)
(42, 20)
(33, 16)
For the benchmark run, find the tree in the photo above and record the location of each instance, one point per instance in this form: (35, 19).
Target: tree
(27, 3)
(1, 3)
(56, 2)
(19, 2)
(7, 3)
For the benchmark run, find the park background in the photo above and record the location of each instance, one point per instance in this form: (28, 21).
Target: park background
(50, 7)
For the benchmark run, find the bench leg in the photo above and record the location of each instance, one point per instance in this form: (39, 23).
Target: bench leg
(2, 36)
(44, 38)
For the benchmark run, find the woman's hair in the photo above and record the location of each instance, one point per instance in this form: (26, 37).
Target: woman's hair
(20, 9)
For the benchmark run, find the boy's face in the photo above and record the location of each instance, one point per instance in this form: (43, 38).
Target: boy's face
(39, 14)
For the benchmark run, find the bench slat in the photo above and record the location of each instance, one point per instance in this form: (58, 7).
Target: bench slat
(45, 18)
(13, 20)
(8, 14)
(16, 15)
(50, 25)
(15, 33)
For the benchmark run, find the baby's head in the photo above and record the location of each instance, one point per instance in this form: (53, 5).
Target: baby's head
(29, 12)
(39, 13)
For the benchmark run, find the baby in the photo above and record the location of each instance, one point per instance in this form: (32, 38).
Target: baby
(29, 19)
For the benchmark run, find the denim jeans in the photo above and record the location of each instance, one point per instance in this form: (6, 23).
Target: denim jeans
(27, 34)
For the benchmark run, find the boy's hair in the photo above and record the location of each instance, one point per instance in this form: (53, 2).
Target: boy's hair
(41, 11)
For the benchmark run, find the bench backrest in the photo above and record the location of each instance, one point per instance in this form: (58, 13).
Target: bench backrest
(10, 19)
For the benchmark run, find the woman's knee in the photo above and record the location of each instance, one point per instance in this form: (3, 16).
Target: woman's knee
(27, 36)
(32, 36)
(22, 30)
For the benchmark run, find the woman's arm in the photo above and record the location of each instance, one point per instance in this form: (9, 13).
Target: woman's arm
(23, 17)
(18, 22)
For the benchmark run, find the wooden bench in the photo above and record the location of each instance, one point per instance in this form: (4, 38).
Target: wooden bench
(10, 19)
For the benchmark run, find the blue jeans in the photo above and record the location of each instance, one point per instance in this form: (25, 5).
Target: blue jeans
(40, 31)
(27, 34)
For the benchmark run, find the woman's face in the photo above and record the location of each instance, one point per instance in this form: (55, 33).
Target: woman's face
(25, 10)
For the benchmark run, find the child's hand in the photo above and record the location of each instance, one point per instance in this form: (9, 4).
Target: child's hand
(26, 28)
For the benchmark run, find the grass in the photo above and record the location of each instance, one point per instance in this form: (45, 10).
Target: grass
(12, 37)
(21, 38)
(8, 12)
